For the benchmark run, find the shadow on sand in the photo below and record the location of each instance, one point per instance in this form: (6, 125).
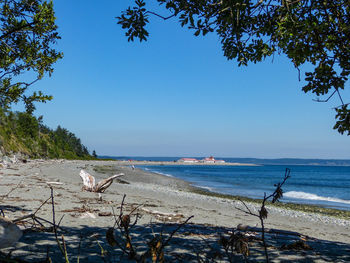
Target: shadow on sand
(192, 243)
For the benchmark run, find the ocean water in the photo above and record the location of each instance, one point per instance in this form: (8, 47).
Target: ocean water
(327, 186)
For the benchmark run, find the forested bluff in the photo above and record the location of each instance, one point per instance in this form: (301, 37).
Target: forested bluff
(26, 136)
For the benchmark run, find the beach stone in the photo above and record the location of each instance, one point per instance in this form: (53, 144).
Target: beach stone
(242, 227)
(9, 233)
(14, 159)
(21, 157)
(5, 161)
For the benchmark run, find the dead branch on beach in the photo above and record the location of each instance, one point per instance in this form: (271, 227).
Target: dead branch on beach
(2, 197)
(89, 182)
(62, 246)
(38, 224)
(246, 228)
(123, 239)
(11, 233)
(33, 222)
(174, 217)
(123, 225)
(235, 243)
(262, 215)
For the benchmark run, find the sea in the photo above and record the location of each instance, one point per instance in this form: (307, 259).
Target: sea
(310, 182)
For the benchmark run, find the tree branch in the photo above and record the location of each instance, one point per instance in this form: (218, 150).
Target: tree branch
(16, 30)
(162, 17)
(318, 100)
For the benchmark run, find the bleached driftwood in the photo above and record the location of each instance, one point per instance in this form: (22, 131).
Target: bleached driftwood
(270, 231)
(162, 215)
(88, 215)
(9, 233)
(57, 183)
(155, 212)
(90, 182)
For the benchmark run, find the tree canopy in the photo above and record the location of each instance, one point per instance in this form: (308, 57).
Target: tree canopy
(25, 133)
(27, 34)
(308, 32)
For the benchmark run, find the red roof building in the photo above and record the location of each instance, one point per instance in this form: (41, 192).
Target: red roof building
(211, 159)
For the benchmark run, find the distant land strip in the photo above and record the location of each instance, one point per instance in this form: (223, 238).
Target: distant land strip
(134, 162)
(238, 161)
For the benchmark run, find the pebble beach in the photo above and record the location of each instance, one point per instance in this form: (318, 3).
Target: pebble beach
(160, 204)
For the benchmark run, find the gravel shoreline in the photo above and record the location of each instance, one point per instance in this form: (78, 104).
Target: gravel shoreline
(159, 195)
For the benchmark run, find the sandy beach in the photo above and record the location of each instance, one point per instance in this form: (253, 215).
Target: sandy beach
(161, 203)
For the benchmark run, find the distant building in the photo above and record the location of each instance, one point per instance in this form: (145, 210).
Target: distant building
(188, 160)
(211, 159)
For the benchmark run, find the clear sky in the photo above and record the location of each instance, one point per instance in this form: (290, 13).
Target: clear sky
(177, 95)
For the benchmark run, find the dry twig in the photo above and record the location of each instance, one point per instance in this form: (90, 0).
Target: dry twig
(262, 215)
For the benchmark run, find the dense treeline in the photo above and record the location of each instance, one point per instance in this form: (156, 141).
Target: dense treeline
(21, 132)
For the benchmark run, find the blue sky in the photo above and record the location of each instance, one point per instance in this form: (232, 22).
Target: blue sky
(177, 95)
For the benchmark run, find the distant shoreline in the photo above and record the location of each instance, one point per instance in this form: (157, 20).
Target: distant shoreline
(235, 161)
(134, 162)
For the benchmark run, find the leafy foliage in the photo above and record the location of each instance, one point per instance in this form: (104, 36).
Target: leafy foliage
(27, 32)
(22, 132)
(310, 32)
(135, 20)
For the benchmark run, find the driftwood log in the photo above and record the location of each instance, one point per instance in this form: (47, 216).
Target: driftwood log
(246, 228)
(90, 185)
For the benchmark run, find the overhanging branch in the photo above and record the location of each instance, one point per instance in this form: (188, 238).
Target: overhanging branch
(17, 30)
(318, 100)
(162, 17)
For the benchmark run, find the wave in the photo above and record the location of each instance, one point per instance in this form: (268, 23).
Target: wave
(210, 189)
(156, 172)
(309, 196)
